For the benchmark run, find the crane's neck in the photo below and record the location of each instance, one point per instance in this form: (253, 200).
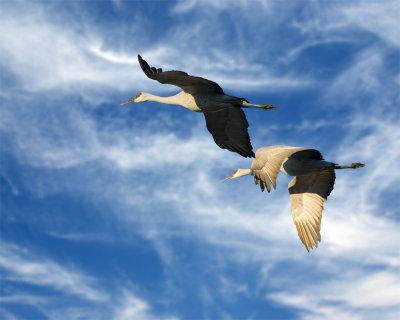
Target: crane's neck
(182, 99)
(176, 99)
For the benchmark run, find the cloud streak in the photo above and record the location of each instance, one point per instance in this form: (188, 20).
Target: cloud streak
(23, 267)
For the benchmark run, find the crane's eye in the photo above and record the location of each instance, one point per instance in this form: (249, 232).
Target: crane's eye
(138, 95)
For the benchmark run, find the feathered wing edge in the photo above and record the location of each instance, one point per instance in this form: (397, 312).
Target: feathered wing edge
(267, 164)
(308, 193)
(188, 83)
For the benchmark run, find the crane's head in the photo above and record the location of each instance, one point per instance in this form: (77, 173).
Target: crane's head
(140, 97)
(238, 173)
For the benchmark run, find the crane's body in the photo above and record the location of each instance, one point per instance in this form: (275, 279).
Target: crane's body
(202, 102)
(312, 183)
(308, 161)
(224, 116)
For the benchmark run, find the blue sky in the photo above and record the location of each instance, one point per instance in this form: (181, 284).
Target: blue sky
(111, 212)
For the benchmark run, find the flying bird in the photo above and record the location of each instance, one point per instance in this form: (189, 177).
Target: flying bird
(312, 183)
(224, 116)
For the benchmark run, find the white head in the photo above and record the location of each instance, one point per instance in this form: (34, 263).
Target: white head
(238, 173)
(140, 97)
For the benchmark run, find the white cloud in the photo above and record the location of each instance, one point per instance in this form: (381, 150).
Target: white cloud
(67, 59)
(81, 140)
(81, 237)
(112, 56)
(384, 14)
(132, 307)
(360, 82)
(61, 58)
(349, 296)
(183, 7)
(22, 266)
(45, 55)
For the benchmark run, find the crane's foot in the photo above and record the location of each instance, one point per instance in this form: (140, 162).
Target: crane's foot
(349, 166)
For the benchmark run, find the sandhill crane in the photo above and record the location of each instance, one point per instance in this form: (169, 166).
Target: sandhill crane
(225, 119)
(312, 183)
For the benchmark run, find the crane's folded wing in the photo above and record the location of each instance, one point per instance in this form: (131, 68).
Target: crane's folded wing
(266, 165)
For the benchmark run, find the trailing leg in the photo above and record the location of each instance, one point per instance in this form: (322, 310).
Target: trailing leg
(246, 104)
(349, 166)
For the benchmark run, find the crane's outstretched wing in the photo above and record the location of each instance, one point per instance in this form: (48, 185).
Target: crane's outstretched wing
(187, 83)
(308, 193)
(268, 161)
(229, 130)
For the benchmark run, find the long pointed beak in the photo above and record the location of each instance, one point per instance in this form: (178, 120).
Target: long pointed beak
(129, 101)
(227, 178)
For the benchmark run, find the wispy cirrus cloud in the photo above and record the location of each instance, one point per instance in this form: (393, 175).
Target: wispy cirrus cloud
(21, 266)
(60, 58)
(342, 299)
(132, 307)
(384, 14)
(53, 57)
(63, 59)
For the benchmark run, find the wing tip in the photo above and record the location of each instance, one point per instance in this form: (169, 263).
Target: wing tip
(309, 238)
(147, 70)
(242, 150)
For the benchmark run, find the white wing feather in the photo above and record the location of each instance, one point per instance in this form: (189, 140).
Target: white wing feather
(268, 162)
(308, 193)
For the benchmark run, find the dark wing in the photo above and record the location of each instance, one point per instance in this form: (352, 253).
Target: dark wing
(229, 130)
(187, 83)
(308, 193)
(305, 153)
